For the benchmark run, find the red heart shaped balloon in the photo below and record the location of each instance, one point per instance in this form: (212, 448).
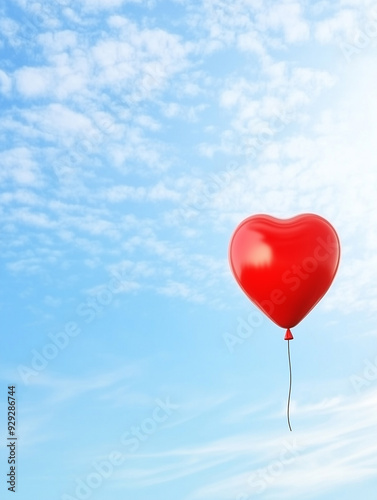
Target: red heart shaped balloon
(285, 266)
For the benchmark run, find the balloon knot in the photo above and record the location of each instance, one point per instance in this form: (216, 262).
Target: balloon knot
(288, 335)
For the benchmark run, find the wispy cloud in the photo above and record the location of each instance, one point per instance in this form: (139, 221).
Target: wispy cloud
(134, 137)
(63, 389)
(339, 448)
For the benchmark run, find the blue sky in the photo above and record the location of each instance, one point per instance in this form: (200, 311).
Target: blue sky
(135, 136)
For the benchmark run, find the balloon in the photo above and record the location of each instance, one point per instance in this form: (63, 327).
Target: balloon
(285, 266)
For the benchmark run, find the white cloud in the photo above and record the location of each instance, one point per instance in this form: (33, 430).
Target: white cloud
(59, 41)
(354, 23)
(251, 42)
(57, 122)
(25, 266)
(39, 220)
(262, 111)
(100, 164)
(33, 82)
(9, 29)
(288, 16)
(182, 112)
(105, 4)
(5, 82)
(251, 25)
(64, 77)
(160, 192)
(181, 290)
(103, 144)
(150, 56)
(155, 193)
(120, 193)
(147, 122)
(341, 26)
(21, 196)
(19, 165)
(133, 59)
(329, 171)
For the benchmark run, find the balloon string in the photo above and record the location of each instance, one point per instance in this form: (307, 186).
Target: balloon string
(290, 387)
